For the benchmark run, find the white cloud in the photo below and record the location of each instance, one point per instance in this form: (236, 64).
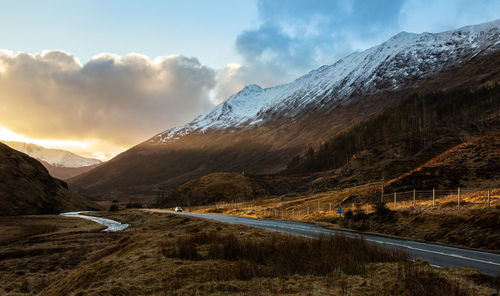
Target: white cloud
(112, 99)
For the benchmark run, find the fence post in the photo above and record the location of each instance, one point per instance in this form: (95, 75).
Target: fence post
(382, 193)
(330, 207)
(433, 197)
(458, 197)
(414, 200)
(489, 200)
(394, 200)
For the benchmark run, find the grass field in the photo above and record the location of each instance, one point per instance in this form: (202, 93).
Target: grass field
(162, 254)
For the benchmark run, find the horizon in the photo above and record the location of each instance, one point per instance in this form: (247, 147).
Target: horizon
(104, 99)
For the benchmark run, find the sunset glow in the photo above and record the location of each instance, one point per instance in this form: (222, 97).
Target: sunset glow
(84, 148)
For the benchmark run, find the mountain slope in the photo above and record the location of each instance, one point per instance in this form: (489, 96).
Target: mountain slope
(213, 188)
(400, 61)
(474, 162)
(27, 188)
(54, 157)
(261, 130)
(65, 173)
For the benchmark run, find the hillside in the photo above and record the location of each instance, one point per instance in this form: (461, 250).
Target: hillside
(260, 130)
(27, 188)
(403, 137)
(475, 163)
(214, 188)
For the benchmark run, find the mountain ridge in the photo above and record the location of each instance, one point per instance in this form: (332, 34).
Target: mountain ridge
(175, 156)
(387, 66)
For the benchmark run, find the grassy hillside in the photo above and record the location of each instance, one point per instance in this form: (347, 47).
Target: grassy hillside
(403, 137)
(473, 164)
(213, 188)
(27, 188)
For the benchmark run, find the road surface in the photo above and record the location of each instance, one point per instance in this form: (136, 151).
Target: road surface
(437, 255)
(111, 224)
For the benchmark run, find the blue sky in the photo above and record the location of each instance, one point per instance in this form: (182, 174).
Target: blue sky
(205, 29)
(109, 74)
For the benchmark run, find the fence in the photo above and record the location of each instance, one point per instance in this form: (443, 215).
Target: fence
(459, 197)
(293, 210)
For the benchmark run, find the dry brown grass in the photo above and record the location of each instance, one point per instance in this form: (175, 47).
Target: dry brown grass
(143, 260)
(271, 257)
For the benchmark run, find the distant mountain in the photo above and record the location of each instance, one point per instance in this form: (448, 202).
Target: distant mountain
(54, 157)
(60, 163)
(260, 130)
(27, 188)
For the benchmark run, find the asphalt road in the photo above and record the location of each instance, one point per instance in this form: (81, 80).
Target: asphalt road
(437, 255)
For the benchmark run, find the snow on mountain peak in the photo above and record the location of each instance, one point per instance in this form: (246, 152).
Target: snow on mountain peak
(400, 60)
(55, 157)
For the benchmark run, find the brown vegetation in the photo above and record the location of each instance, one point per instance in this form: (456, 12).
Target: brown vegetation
(472, 163)
(163, 254)
(213, 188)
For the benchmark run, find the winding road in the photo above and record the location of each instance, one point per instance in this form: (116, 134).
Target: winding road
(111, 224)
(437, 255)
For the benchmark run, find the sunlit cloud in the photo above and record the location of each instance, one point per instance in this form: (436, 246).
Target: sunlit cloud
(111, 102)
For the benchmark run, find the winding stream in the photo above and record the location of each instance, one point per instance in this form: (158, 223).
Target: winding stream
(111, 224)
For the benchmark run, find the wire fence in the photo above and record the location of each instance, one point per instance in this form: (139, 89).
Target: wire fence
(437, 198)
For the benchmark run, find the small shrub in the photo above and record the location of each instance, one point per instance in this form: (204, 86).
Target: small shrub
(417, 278)
(134, 205)
(349, 214)
(359, 215)
(113, 208)
(381, 209)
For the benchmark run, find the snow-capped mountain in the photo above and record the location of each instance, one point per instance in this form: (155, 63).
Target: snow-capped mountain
(54, 157)
(398, 62)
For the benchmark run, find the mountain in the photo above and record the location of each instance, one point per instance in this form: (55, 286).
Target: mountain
(27, 188)
(259, 130)
(398, 62)
(60, 163)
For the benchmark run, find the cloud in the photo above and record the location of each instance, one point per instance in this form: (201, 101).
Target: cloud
(294, 37)
(111, 99)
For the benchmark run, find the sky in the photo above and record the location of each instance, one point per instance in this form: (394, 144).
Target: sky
(97, 77)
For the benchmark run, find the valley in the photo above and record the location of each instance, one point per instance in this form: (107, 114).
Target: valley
(164, 254)
(378, 174)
